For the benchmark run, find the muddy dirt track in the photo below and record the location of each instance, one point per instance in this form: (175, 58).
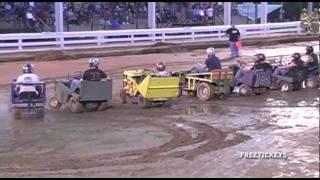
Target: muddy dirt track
(184, 138)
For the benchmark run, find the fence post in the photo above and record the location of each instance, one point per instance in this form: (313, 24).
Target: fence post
(299, 28)
(163, 37)
(132, 38)
(99, 38)
(219, 34)
(20, 44)
(244, 31)
(265, 30)
(61, 41)
(153, 37)
(192, 35)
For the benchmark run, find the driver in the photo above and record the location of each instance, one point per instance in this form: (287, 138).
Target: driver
(161, 68)
(28, 77)
(213, 62)
(296, 62)
(92, 74)
(258, 64)
(312, 62)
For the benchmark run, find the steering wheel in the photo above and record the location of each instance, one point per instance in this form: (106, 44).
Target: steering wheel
(149, 72)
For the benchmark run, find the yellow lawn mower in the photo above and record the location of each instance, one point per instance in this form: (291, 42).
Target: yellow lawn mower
(144, 87)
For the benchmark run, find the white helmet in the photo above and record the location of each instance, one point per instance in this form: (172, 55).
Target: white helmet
(94, 62)
(211, 51)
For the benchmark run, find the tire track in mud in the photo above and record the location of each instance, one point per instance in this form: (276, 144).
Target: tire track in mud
(211, 139)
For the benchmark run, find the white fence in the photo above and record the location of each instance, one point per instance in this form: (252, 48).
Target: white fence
(31, 42)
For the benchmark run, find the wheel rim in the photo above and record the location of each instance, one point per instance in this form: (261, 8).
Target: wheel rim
(243, 91)
(310, 84)
(204, 92)
(285, 87)
(54, 103)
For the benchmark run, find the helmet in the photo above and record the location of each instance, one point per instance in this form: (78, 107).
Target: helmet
(304, 10)
(27, 68)
(211, 51)
(309, 49)
(94, 62)
(296, 56)
(161, 66)
(260, 57)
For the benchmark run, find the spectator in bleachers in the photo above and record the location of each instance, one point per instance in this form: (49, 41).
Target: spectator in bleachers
(201, 14)
(8, 12)
(115, 25)
(209, 13)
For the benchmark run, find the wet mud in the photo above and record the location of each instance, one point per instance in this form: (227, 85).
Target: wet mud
(183, 138)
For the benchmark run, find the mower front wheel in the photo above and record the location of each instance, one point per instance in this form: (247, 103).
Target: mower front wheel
(142, 102)
(54, 103)
(75, 105)
(245, 90)
(123, 96)
(286, 87)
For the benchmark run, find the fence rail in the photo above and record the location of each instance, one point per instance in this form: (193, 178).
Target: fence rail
(31, 42)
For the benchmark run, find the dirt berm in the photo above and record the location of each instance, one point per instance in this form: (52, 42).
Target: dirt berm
(158, 47)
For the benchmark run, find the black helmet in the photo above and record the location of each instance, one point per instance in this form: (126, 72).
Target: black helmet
(309, 49)
(260, 57)
(160, 66)
(28, 68)
(296, 56)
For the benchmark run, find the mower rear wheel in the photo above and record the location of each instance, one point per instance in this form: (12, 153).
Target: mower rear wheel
(16, 114)
(205, 91)
(103, 106)
(40, 112)
(92, 106)
(311, 83)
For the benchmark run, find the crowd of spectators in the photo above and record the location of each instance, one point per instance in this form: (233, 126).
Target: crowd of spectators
(105, 14)
(27, 14)
(112, 15)
(193, 12)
